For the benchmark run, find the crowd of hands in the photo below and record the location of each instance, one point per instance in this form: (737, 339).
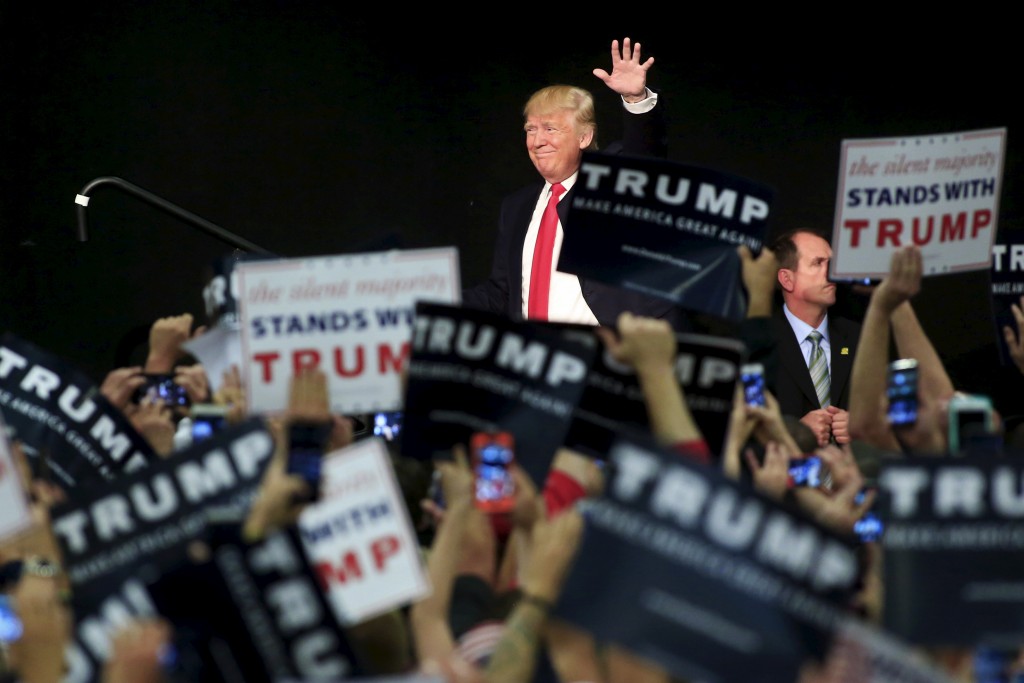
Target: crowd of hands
(532, 557)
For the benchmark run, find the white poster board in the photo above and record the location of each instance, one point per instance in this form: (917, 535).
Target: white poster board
(359, 536)
(350, 315)
(939, 192)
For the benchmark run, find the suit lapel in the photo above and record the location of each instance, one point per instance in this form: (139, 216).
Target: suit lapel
(841, 363)
(521, 221)
(792, 359)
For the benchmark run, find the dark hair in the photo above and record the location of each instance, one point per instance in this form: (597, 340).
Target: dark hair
(785, 249)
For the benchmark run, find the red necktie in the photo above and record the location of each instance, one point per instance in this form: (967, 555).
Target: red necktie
(543, 251)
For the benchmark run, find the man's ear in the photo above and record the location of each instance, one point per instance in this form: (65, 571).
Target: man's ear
(785, 276)
(585, 139)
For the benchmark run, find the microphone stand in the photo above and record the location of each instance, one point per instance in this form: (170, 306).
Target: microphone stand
(82, 201)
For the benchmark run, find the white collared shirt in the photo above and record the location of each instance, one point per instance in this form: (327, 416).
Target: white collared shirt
(565, 303)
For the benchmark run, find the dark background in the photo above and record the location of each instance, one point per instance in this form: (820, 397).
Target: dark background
(308, 130)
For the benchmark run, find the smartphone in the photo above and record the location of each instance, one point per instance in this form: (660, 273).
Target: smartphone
(868, 528)
(207, 419)
(10, 624)
(970, 415)
(164, 388)
(306, 444)
(901, 390)
(493, 453)
(752, 376)
(387, 425)
(806, 471)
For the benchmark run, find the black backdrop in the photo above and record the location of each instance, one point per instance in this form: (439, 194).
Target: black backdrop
(308, 130)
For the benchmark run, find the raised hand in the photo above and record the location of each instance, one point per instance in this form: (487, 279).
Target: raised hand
(629, 75)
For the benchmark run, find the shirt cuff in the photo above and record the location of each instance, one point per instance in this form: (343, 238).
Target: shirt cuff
(644, 105)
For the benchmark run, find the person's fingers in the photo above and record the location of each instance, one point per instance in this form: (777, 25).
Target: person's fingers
(752, 463)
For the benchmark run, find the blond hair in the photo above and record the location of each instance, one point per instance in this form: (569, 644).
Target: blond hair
(577, 100)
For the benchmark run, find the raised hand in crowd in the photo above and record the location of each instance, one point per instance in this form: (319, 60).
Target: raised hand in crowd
(282, 496)
(120, 384)
(166, 336)
(153, 419)
(1015, 338)
(868, 403)
(771, 477)
(764, 423)
(552, 549)
(39, 600)
(231, 393)
(838, 508)
(193, 378)
(428, 618)
(138, 652)
(759, 275)
(649, 346)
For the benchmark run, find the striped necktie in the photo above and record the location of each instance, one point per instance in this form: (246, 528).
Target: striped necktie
(819, 370)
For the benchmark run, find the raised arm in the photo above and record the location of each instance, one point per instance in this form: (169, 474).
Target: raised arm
(649, 346)
(868, 420)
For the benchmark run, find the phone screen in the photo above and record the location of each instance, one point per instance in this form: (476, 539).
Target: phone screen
(902, 392)
(10, 625)
(387, 425)
(752, 376)
(493, 454)
(162, 387)
(805, 471)
(306, 443)
(207, 420)
(869, 527)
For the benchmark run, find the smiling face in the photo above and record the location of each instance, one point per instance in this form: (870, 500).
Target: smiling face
(554, 143)
(806, 288)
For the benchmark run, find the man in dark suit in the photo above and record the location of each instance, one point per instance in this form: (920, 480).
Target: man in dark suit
(560, 125)
(814, 351)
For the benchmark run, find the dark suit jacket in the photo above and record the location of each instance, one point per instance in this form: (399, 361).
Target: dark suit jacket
(793, 387)
(644, 135)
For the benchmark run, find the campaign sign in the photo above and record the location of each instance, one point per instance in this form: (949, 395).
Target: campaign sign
(664, 229)
(1007, 278)
(475, 371)
(99, 615)
(703, 575)
(706, 366)
(954, 549)
(69, 431)
(349, 315)
(359, 537)
(148, 516)
(15, 515)
(252, 612)
(939, 192)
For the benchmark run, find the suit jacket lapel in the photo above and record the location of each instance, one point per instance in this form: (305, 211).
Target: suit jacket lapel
(792, 359)
(521, 221)
(841, 364)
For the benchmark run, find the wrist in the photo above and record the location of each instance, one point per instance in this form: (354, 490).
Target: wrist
(634, 99)
(536, 600)
(159, 363)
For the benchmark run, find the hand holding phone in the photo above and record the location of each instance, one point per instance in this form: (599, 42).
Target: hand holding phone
(493, 454)
(901, 390)
(306, 443)
(806, 471)
(970, 417)
(162, 387)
